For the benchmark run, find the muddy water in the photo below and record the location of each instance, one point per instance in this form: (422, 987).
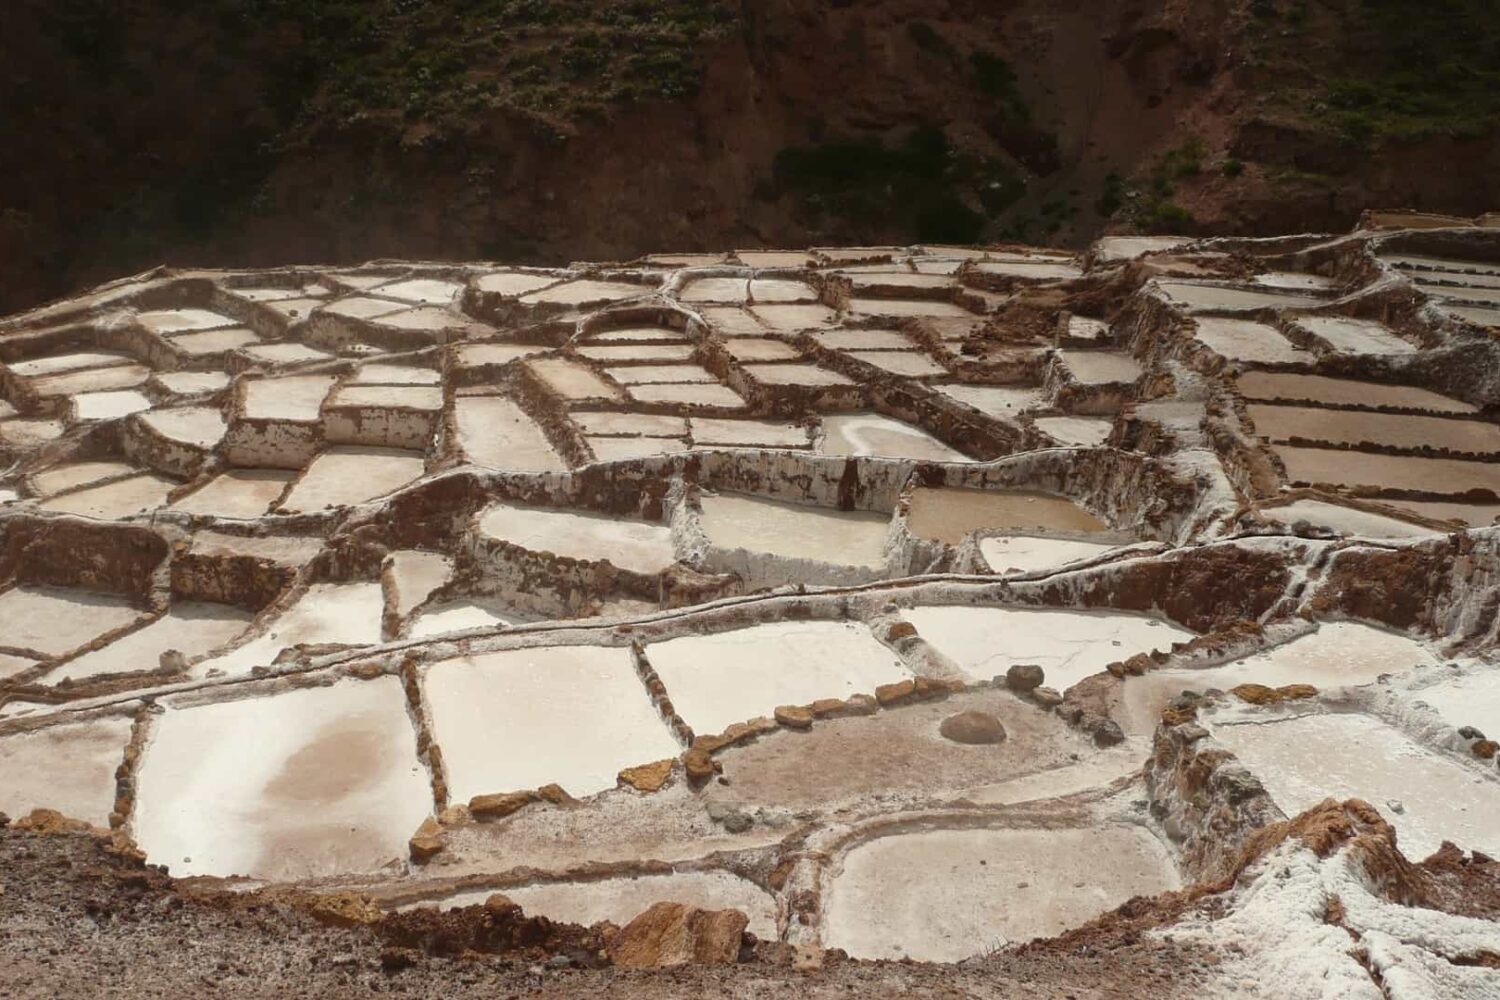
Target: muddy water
(1353, 427)
(1391, 472)
(945, 895)
(947, 515)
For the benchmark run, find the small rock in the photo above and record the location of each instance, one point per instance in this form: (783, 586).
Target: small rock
(973, 728)
(1108, 733)
(894, 694)
(1047, 697)
(1024, 677)
(1485, 749)
(794, 717)
(556, 795)
(651, 777)
(428, 842)
(1396, 806)
(698, 764)
(738, 822)
(861, 704)
(1470, 733)
(491, 807)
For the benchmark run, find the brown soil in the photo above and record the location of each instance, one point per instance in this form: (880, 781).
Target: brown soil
(77, 918)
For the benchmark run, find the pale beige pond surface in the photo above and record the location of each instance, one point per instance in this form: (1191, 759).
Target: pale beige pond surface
(345, 613)
(1304, 760)
(237, 493)
(1346, 520)
(1243, 340)
(520, 719)
(121, 498)
(795, 531)
(301, 784)
(295, 397)
(70, 768)
(717, 680)
(348, 475)
(1355, 427)
(495, 432)
(946, 895)
(1292, 387)
(1338, 654)
(1027, 554)
(191, 629)
(637, 546)
(1393, 472)
(571, 380)
(1067, 645)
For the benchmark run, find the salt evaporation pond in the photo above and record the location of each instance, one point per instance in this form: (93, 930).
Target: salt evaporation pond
(524, 718)
(1067, 645)
(946, 895)
(717, 680)
(301, 784)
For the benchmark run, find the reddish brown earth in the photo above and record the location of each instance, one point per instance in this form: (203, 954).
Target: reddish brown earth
(208, 134)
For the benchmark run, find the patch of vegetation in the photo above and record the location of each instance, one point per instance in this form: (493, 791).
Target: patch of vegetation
(1233, 167)
(995, 78)
(1392, 70)
(922, 188)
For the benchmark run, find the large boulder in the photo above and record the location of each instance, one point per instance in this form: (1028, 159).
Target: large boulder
(677, 934)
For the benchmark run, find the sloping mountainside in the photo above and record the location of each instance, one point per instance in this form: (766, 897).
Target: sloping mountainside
(274, 131)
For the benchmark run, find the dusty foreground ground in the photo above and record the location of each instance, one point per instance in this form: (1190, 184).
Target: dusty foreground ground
(76, 919)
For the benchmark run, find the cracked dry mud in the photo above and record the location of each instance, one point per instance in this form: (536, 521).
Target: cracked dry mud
(420, 627)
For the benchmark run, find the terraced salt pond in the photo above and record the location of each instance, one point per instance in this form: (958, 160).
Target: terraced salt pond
(524, 718)
(70, 768)
(305, 783)
(1468, 699)
(55, 620)
(947, 515)
(637, 546)
(1067, 645)
(946, 895)
(1338, 654)
(347, 613)
(191, 629)
(1426, 797)
(740, 529)
(1396, 430)
(717, 680)
(494, 432)
(1007, 554)
(879, 436)
(1373, 473)
(1346, 520)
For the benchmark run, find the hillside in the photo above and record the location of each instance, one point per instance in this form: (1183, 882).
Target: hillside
(264, 131)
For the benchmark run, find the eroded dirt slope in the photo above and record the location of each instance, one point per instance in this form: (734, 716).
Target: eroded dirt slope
(264, 132)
